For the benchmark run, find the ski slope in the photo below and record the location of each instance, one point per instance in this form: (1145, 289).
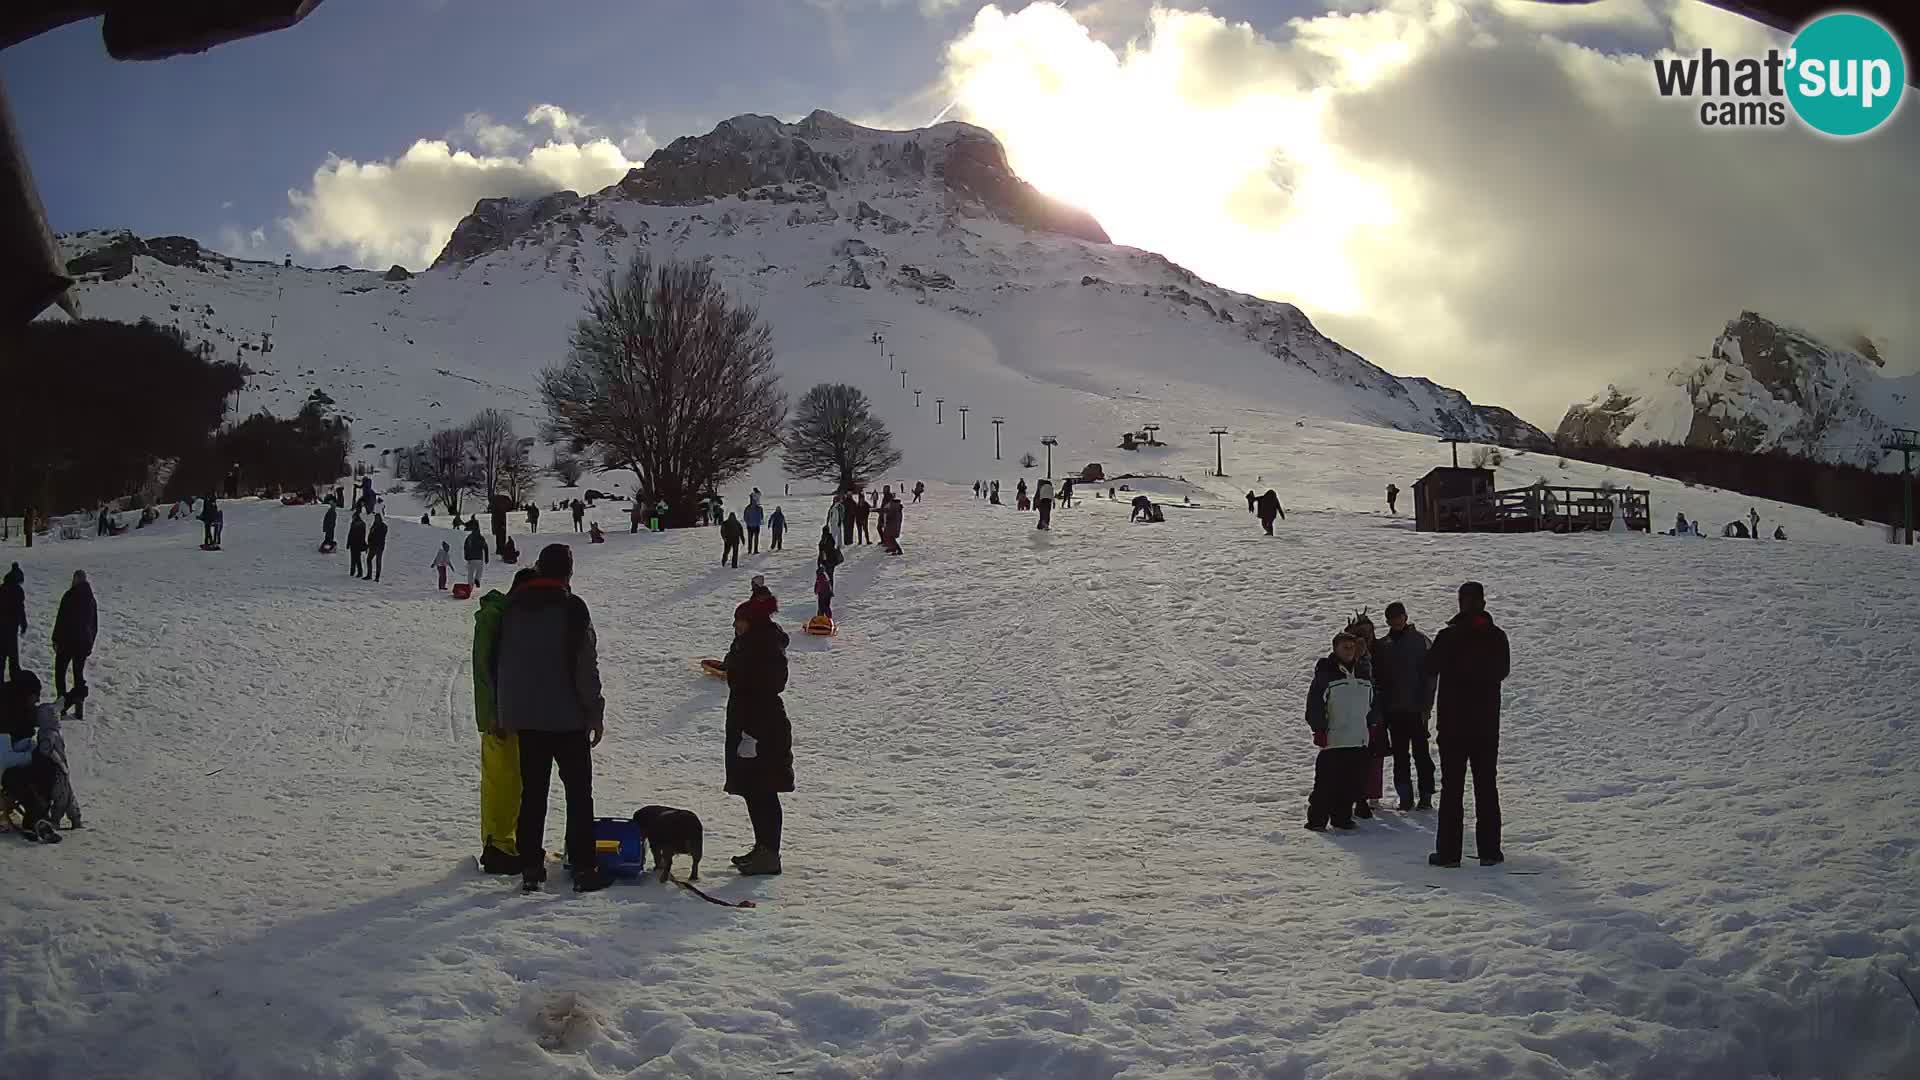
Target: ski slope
(1049, 807)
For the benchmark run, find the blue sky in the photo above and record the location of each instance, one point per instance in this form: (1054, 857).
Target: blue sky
(159, 147)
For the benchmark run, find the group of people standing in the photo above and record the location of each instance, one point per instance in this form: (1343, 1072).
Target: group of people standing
(850, 513)
(539, 704)
(1371, 699)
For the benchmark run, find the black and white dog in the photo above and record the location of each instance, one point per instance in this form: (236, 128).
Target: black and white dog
(668, 832)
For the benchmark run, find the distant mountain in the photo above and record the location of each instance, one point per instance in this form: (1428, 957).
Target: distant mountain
(1763, 386)
(836, 232)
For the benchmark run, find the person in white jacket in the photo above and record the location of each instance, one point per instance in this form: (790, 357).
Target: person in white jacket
(35, 782)
(1341, 708)
(443, 562)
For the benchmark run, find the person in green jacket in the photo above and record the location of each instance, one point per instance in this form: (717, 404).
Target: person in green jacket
(499, 750)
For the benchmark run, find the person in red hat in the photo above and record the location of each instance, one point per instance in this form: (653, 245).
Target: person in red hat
(759, 738)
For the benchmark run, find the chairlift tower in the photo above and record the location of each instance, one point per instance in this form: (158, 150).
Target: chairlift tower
(1049, 442)
(1219, 459)
(963, 423)
(997, 421)
(939, 411)
(1907, 442)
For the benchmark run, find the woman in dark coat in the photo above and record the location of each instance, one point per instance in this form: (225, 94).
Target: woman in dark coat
(759, 738)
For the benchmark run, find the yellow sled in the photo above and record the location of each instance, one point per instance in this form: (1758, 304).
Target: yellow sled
(820, 625)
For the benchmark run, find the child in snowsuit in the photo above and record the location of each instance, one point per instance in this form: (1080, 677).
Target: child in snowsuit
(36, 782)
(823, 588)
(1341, 707)
(830, 556)
(443, 562)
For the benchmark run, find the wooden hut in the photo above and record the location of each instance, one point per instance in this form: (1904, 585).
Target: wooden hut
(1440, 486)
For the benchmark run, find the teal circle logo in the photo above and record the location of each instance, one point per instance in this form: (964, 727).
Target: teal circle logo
(1846, 74)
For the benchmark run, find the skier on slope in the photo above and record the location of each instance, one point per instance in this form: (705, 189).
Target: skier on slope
(1470, 658)
(1407, 700)
(776, 528)
(755, 516)
(1043, 502)
(476, 552)
(1269, 507)
(376, 546)
(356, 544)
(1342, 706)
(730, 532)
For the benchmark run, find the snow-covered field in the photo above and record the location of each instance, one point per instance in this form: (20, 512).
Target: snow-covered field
(1048, 825)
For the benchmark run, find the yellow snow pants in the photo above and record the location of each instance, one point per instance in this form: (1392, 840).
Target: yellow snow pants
(499, 791)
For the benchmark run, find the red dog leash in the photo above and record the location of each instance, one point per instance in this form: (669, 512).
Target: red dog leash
(690, 887)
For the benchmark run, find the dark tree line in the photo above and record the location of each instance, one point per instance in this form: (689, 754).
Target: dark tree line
(92, 410)
(305, 452)
(1845, 491)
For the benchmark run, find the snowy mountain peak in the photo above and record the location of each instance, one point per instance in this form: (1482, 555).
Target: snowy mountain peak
(1763, 385)
(761, 157)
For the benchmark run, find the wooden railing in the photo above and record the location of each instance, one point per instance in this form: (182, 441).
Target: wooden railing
(1544, 509)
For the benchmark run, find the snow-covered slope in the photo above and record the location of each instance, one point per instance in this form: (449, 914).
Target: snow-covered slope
(987, 293)
(1763, 386)
(1048, 817)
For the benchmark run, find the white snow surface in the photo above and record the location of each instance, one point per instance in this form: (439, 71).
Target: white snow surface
(1048, 820)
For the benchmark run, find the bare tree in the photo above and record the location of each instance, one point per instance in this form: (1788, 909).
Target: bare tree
(1028, 461)
(517, 473)
(834, 436)
(445, 469)
(568, 468)
(492, 438)
(669, 377)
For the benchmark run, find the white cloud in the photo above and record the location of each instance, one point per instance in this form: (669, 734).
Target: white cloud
(554, 117)
(402, 210)
(246, 243)
(1458, 188)
(226, 204)
(490, 135)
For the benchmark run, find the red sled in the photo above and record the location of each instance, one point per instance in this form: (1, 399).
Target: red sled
(463, 591)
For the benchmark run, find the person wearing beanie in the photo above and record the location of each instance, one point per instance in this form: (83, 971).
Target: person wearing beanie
(830, 555)
(1341, 707)
(13, 620)
(1374, 776)
(759, 737)
(544, 676)
(730, 534)
(776, 528)
(1469, 658)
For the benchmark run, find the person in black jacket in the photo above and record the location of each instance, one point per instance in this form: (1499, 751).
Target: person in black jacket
(13, 620)
(730, 533)
(356, 543)
(1268, 506)
(475, 551)
(376, 546)
(74, 628)
(759, 738)
(1470, 659)
(326, 527)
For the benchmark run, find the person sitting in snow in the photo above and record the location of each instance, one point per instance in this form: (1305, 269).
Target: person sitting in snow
(1141, 504)
(36, 782)
(594, 535)
(1779, 532)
